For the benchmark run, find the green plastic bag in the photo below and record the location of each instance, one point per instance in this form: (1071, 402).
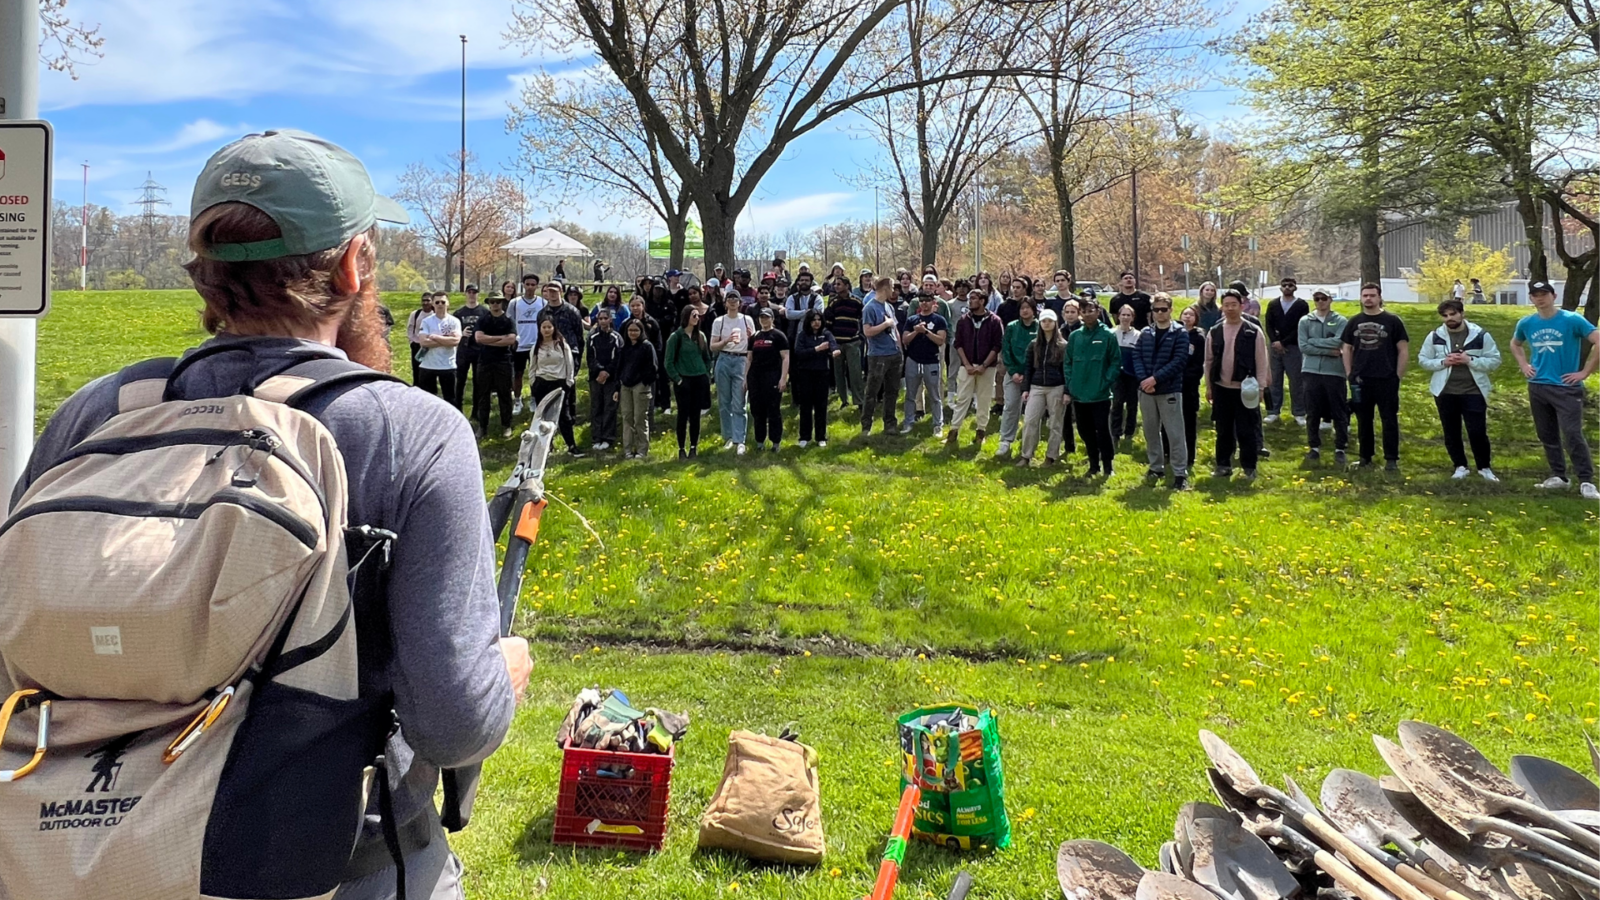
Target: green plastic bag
(959, 772)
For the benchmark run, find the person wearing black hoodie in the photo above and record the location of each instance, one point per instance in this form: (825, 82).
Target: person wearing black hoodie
(604, 346)
(814, 350)
(636, 379)
(1194, 374)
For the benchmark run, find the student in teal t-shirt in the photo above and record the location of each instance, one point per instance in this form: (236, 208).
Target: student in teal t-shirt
(1555, 384)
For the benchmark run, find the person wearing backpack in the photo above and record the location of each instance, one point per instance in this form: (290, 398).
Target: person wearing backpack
(311, 628)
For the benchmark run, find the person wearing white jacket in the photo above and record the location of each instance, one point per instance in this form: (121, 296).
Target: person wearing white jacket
(1461, 355)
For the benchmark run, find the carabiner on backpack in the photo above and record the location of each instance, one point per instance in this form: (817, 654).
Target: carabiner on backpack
(20, 698)
(189, 735)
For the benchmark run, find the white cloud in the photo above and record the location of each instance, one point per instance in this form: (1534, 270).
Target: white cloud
(796, 212)
(169, 50)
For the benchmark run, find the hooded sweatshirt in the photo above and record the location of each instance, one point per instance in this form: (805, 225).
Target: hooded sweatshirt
(1093, 362)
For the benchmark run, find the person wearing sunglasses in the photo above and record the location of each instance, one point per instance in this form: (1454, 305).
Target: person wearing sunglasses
(1158, 363)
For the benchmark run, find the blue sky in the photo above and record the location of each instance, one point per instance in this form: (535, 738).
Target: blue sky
(382, 77)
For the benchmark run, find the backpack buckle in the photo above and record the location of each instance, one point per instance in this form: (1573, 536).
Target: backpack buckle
(22, 699)
(196, 728)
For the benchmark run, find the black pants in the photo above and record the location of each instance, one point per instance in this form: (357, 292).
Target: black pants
(1094, 427)
(811, 395)
(766, 408)
(544, 386)
(415, 366)
(490, 380)
(603, 404)
(1191, 418)
(1124, 406)
(440, 383)
(1069, 442)
(663, 392)
(1326, 401)
(463, 369)
(694, 394)
(1383, 395)
(1472, 409)
(1236, 428)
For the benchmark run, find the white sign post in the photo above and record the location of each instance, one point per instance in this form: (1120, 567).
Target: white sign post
(25, 156)
(19, 100)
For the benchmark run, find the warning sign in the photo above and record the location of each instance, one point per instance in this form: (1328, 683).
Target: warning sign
(25, 164)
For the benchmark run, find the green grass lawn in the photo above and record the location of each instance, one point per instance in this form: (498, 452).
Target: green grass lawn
(1106, 622)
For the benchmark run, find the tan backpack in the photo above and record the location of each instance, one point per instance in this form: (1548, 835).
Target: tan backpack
(183, 715)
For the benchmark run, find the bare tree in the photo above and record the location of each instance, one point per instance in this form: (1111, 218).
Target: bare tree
(955, 127)
(725, 86)
(1103, 56)
(576, 131)
(63, 42)
(458, 212)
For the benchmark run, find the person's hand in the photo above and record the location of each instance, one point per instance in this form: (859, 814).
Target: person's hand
(783, 383)
(617, 397)
(602, 377)
(1211, 397)
(1016, 379)
(1527, 370)
(1148, 385)
(519, 665)
(1024, 396)
(838, 353)
(1278, 346)
(1572, 378)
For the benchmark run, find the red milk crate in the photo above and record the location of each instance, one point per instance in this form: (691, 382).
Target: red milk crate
(610, 799)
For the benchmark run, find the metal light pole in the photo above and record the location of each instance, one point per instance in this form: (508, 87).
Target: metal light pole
(877, 256)
(461, 271)
(977, 226)
(19, 99)
(1135, 189)
(83, 252)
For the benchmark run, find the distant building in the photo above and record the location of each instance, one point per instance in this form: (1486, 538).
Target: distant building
(1501, 229)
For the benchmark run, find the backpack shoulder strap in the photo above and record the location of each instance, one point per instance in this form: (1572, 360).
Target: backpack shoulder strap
(300, 384)
(144, 384)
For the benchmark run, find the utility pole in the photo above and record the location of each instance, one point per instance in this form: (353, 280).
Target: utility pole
(1134, 186)
(877, 256)
(19, 99)
(83, 251)
(461, 270)
(977, 226)
(1186, 265)
(151, 196)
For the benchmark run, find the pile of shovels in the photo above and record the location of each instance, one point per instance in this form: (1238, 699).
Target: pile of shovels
(1447, 825)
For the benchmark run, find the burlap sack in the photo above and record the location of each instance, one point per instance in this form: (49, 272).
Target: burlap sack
(767, 806)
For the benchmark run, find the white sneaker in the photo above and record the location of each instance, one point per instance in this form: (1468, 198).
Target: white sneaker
(1588, 491)
(510, 432)
(1003, 452)
(1461, 472)
(739, 450)
(602, 446)
(822, 443)
(1271, 417)
(802, 444)
(1488, 475)
(728, 445)
(1554, 483)
(1300, 420)
(938, 433)
(1326, 426)
(516, 406)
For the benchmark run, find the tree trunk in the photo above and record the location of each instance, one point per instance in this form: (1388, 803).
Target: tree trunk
(1583, 271)
(1531, 211)
(449, 267)
(1069, 243)
(932, 225)
(1371, 265)
(676, 238)
(717, 227)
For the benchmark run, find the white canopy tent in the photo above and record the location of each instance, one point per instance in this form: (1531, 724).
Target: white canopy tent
(546, 242)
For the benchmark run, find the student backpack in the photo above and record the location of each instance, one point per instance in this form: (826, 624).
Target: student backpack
(186, 717)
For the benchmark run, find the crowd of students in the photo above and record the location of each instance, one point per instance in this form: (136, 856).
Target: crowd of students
(1056, 368)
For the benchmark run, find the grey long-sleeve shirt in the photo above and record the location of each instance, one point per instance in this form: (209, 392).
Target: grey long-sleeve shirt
(413, 469)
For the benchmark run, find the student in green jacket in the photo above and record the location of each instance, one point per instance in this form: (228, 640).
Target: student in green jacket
(688, 365)
(1014, 356)
(1094, 359)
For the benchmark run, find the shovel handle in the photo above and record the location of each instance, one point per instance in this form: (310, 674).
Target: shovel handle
(1542, 817)
(1428, 885)
(1376, 870)
(1429, 865)
(1556, 850)
(1349, 878)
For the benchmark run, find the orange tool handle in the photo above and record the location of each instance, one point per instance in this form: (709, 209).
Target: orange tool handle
(895, 853)
(527, 526)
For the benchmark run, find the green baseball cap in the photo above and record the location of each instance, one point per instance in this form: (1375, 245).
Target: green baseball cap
(317, 192)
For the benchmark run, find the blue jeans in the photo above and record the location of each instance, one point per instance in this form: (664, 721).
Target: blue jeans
(730, 397)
